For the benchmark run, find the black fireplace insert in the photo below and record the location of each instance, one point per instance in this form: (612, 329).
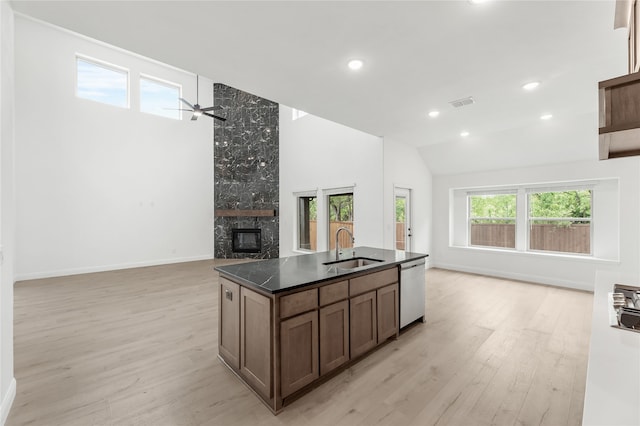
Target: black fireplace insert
(246, 240)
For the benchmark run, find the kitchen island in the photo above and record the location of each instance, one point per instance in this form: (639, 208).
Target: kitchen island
(287, 324)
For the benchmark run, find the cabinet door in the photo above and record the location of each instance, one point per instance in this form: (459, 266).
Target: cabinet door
(298, 352)
(334, 336)
(255, 340)
(363, 331)
(388, 315)
(229, 322)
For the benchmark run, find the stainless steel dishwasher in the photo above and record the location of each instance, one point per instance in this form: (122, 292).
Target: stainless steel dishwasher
(412, 292)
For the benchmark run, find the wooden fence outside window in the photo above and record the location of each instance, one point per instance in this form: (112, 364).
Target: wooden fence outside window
(569, 239)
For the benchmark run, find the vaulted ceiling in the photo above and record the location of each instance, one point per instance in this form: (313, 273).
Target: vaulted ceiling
(418, 56)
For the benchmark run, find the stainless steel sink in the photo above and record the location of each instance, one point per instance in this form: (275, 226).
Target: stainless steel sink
(356, 262)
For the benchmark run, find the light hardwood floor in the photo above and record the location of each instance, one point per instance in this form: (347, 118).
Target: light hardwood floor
(139, 347)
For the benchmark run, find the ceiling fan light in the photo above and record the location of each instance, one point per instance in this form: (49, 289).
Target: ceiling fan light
(197, 113)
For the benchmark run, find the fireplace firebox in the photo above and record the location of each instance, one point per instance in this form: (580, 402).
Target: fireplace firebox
(246, 240)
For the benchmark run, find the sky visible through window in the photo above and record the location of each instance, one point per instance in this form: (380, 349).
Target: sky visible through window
(159, 98)
(102, 84)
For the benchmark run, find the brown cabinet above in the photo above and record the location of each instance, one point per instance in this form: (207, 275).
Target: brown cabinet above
(619, 117)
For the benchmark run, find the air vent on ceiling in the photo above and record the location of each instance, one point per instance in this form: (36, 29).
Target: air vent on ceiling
(462, 102)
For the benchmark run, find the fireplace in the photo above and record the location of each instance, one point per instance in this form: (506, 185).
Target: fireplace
(246, 240)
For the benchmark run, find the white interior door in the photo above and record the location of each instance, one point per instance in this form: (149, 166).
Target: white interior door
(402, 228)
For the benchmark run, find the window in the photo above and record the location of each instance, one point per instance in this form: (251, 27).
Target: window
(340, 216)
(102, 83)
(307, 223)
(297, 113)
(572, 218)
(159, 98)
(492, 220)
(401, 222)
(560, 221)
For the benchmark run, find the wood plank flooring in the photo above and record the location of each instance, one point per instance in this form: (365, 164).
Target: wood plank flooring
(139, 347)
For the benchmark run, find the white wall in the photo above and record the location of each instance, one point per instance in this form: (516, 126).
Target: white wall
(403, 167)
(7, 207)
(100, 187)
(318, 154)
(566, 271)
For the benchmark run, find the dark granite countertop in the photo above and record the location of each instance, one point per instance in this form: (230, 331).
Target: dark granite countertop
(288, 273)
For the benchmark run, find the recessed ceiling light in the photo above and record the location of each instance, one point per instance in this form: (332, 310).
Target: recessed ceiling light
(531, 85)
(434, 114)
(546, 117)
(464, 134)
(355, 64)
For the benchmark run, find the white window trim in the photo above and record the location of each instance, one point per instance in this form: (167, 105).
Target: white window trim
(522, 215)
(103, 64)
(162, 82)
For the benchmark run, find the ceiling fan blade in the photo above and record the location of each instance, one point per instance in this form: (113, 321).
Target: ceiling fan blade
(190, 106)
(177, 109)
(211, 108)
(194, 117)
(215, 116)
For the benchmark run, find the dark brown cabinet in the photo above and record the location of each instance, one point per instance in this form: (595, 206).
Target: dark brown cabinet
(229, 317)
(387, 310)
(299, 352)
(255, 340)
(334, 336)
(363, 329)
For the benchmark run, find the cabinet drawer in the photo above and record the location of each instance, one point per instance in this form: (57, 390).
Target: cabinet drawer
(298, 303)
(373, 281)
(334, 292)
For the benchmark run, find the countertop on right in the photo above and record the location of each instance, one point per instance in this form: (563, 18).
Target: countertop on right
(612, 394)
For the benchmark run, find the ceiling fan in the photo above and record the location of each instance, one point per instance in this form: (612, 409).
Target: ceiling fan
(198, 110)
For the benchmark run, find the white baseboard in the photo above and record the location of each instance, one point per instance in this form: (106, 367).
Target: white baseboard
(7, 401)
(538, 279)
(103, 268)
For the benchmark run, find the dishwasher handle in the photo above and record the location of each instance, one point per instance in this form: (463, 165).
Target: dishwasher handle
(409, 265)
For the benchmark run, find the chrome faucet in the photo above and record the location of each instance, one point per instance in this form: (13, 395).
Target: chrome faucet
(353, 240)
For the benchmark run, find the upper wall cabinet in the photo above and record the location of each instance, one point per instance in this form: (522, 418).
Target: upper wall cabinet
(619, 100)
(627, 14)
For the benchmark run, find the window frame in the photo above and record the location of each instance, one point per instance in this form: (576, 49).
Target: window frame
(514, 219)
(530, 219)
(109, 66)
(297, 196)
(603, 245)
(161, 82)
(326, 194)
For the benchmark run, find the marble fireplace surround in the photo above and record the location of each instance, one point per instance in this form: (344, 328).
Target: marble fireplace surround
(246, 171)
